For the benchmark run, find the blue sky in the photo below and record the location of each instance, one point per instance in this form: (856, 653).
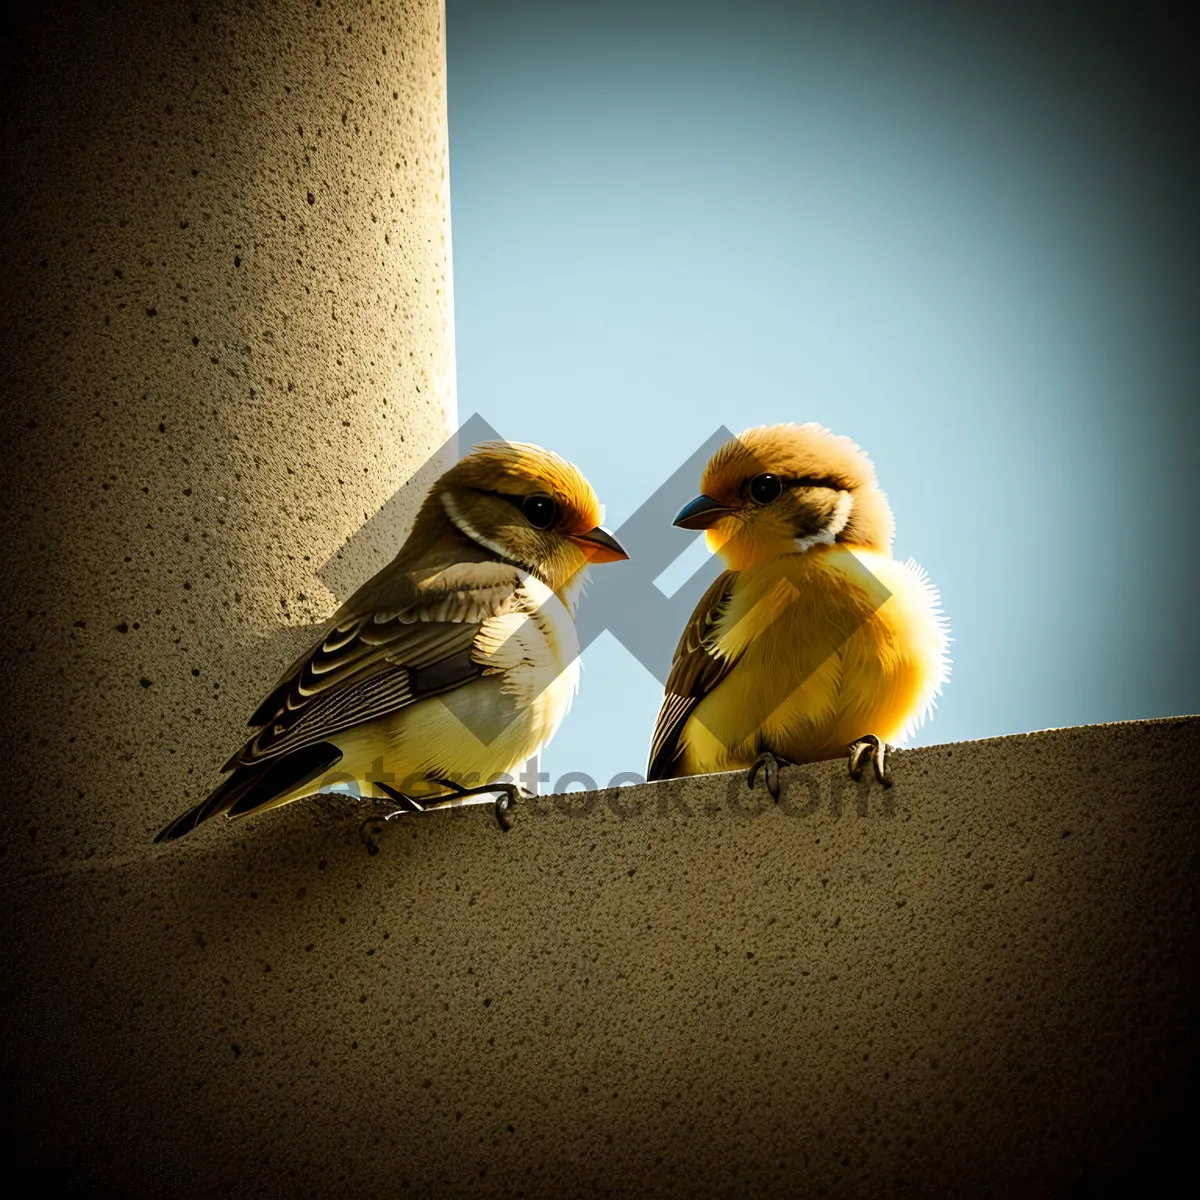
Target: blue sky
(949, 244)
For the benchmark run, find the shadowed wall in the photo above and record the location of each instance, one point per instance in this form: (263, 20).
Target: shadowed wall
(978, 984)
(228, 341)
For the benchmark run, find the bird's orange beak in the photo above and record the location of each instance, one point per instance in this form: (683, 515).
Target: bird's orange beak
(701, 513)
(599, 545)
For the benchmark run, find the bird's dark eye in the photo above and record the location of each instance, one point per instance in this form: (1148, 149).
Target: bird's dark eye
(539, 511)
(765, 488)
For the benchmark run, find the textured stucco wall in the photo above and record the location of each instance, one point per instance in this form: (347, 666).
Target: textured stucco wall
(977, 984)
(227, 340)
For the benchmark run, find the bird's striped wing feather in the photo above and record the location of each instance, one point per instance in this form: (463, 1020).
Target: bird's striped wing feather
(695, 671)
(372, 663)
(393, 643)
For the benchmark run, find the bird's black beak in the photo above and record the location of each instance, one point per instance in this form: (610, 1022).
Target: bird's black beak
(599, 545)
(701, 513)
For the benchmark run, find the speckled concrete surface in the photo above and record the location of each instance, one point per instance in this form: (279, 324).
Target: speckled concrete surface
(978, 984)
(227, 341)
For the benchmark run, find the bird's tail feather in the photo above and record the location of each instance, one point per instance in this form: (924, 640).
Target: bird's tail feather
(250, 788)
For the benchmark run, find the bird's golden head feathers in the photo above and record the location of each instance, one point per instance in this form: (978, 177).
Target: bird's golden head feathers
(776, 489)
(525, 505)
(523, 469)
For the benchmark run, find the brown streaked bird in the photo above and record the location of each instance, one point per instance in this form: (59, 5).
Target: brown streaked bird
(450, 667)
(815, 643)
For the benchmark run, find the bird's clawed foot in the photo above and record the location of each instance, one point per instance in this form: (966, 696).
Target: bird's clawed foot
(769, 764)
(506, 800)
(509, 794)
(505, 803)
(866, 745)
(404, 804)
(372, 827)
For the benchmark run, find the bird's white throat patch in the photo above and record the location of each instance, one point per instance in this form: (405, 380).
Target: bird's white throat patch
(829, 535)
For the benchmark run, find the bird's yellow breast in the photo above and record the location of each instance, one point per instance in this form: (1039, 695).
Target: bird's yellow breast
(826, 645)
(480, 730)
(472, 735)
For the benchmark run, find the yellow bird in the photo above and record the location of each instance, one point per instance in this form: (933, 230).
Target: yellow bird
(449, 668)
(815, 643)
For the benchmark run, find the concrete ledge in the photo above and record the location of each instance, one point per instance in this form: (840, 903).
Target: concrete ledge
(979, 983)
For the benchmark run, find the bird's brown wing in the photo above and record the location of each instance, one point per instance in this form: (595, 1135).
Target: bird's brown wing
(415, 642)
(695, 671)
